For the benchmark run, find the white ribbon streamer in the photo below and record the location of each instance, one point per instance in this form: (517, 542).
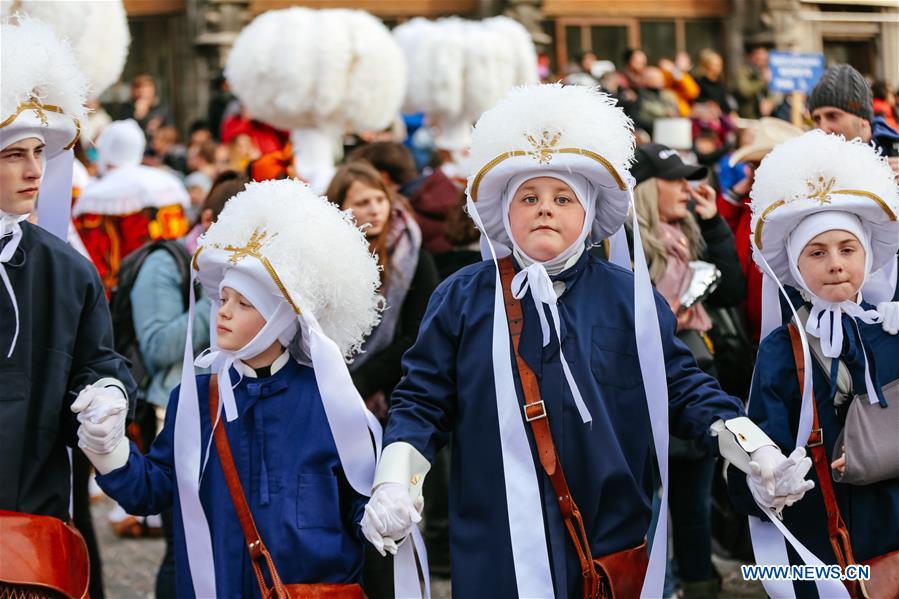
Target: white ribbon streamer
(10, 224)
(54, 205)
(405, 572)
(535, 278)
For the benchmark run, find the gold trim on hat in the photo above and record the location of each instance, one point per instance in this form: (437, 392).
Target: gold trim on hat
(251, 248)
(40, 111)
(544, 152)
(849, 192)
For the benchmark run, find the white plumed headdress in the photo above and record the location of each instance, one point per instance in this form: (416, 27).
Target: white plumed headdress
(310, 269)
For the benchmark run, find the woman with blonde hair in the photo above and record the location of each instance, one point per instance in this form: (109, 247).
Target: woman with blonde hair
(674, 238)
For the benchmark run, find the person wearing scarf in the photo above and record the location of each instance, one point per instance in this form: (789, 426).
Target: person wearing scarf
(408, 277)
(293, 290)
(550, 177)
(824, 218)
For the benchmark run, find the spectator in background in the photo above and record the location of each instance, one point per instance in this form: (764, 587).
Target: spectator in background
(733, 206)
(219, 99)
(885, 104)
(751, 87)
(165, 150)
(263, 136)
(200, 132)
(433, 196)
(654, 101)
(710, 78)
(581, 72)
(201, 159)
(679, 81)
(630, 80)
(841, 102)
(146, 107)
(198, 185)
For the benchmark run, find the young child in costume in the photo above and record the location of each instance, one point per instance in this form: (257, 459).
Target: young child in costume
(604, 371)
(293, 287)
(825, 218)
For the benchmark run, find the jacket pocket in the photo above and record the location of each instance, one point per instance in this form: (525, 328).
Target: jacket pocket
(14, 385)
(318, 502)
(613, 357)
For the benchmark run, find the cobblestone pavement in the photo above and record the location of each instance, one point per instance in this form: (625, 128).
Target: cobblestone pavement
(129, 566)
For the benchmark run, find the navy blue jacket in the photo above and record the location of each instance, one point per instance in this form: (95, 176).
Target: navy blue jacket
(305, 510)
(448, 391)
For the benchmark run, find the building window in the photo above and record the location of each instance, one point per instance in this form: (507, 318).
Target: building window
(658, 39)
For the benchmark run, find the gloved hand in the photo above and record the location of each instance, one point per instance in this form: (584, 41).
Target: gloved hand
(889, 311)
(776, 481)
(101, 412)
(389, 516)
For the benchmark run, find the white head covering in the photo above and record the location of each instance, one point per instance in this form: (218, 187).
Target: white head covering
(42, 95)
(122, 143)
(580, 136)
(279, 244)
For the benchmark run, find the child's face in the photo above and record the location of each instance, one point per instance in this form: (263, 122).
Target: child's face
(237, 321)
(545, 217)
(833, 265)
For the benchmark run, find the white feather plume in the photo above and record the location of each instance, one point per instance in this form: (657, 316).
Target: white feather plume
(38, 63)
(582, 117)
(784, 172)
(459, 68)
(302, 68)
(96, 29)
(317, 251)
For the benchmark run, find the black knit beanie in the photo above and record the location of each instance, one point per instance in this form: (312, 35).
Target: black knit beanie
(843, 87)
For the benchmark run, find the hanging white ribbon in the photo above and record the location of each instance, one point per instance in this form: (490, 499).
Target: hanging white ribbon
(769, 538)
(523, 501)
(405, 572)
(197, 538)
(535, 278)
(54, 205)
(655, 385)
(9, 224)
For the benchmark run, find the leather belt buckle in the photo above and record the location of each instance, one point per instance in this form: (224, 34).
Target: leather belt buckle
(815, 438)
(534, 411)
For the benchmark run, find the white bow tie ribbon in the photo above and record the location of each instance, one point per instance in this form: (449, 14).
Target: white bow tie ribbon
(536, 279)
(9, 225)
(825, 321)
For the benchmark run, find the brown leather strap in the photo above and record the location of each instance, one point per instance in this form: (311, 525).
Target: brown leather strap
(836, 527)
(535, 414)
(259, 553)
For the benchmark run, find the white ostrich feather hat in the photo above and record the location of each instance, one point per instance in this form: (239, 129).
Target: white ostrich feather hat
(818, 172)
(304, 249)
(572, 129)
(42, 89)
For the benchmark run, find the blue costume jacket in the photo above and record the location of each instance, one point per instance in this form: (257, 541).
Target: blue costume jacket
(871, 512)
(305, 510)
(448, 390)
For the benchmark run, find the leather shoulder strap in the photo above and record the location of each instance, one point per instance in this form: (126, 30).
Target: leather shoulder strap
(258, 551)
(836, 527)
(535, 414)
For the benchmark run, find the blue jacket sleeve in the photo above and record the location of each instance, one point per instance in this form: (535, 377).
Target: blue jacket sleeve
(146, 483)
(160, 318)
(773, 406)
(423, 404)
(695, 400)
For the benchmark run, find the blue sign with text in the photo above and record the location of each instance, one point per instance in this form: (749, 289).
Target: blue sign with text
(794, 71)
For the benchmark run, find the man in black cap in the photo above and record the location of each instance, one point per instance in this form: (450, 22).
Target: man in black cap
(841, 102)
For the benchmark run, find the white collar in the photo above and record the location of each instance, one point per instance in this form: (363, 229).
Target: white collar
(277, 365)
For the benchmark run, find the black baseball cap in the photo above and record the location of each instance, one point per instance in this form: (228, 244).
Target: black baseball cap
(656, 160)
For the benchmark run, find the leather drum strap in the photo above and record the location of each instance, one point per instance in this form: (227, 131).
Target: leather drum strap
(259, 553)
(836, 527)
(535, 414)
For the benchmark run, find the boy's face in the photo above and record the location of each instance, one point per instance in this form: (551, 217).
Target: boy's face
(21, 167)
(237, 321)
(545, 217)
(833, 265)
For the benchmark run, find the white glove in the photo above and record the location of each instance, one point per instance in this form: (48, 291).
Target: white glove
(889, 311)
(389, 516)
(101, 412)
(776, 481)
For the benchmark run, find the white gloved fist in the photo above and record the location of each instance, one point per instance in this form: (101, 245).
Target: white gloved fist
(389, 516)
(889, 311)
(776, 481)
(101, 412)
